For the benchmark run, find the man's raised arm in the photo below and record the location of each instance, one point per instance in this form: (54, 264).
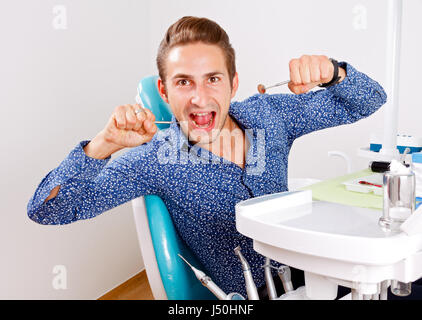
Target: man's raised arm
(354, 97)
(76, 189)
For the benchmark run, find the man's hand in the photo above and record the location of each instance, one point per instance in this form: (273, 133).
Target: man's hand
(125, 128)
(309, 71)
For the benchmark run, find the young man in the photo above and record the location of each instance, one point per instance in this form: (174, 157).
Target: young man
(199, 177)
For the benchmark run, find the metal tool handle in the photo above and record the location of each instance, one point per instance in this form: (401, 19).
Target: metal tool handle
(271, 290)
(251, 289)
(278, 84)
(285, 275)
(206, 281)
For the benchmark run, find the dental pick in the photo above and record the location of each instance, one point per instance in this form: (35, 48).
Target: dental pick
(262, 89)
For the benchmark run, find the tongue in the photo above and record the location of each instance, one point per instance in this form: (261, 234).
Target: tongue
(202, 120)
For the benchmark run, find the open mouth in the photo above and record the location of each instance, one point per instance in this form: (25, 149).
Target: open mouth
(203, 120)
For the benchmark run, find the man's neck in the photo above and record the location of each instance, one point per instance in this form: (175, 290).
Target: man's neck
(230, 144)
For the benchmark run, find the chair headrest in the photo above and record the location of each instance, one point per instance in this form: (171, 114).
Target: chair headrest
(151, 99)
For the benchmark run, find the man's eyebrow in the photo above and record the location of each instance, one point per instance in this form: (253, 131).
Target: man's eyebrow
(215, 73)
(187, 76)
(181, 75)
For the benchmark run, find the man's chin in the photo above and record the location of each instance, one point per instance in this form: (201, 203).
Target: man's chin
(203, 138)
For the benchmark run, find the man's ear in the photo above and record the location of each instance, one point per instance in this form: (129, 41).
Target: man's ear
(235, 84)
(162, 90)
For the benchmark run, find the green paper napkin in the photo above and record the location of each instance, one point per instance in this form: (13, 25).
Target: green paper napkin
(334, 191)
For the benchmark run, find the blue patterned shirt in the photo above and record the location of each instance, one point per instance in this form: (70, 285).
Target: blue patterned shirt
(199, 188)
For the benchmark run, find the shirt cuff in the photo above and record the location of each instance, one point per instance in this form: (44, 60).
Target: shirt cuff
(76, 165)
(351, 79)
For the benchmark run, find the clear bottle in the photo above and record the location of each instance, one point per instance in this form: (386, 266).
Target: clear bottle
(399, 203)
(399, 199)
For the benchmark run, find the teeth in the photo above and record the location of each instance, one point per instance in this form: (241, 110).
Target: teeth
(201, 114)
(202, 126)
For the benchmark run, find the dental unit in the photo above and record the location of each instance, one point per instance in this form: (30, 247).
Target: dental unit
(337, 244)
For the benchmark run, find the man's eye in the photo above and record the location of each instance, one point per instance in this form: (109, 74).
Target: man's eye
(214, 79)
(183, 82)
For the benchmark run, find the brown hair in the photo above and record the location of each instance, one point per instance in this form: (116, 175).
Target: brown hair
(191, 30)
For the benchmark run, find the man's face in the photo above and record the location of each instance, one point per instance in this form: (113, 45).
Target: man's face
(198, 90)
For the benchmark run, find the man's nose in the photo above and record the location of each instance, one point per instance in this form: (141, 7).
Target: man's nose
(199, 96)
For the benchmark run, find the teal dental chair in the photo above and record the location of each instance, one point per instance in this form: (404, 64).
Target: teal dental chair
(168, 276)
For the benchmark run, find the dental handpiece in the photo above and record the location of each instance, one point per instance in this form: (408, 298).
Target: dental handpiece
(285, 275)
(251, 289)
(262, 89)
(271, 290)
(206, 281)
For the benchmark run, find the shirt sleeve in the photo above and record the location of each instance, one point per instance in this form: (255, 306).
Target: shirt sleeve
(92, 186)
(356, 97)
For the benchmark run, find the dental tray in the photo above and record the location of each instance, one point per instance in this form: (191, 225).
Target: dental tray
(355, 186)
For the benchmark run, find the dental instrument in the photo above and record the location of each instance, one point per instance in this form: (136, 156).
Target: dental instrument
(262, 89)
(370, 184)
(251, 289)
(403, 156)
(384, 289)
(272, 292)
(285, 275)
(207, 282)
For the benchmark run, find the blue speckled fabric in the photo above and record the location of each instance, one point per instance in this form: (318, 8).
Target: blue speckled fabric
(199, 188)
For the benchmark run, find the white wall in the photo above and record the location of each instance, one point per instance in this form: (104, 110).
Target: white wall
(58, 87)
